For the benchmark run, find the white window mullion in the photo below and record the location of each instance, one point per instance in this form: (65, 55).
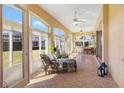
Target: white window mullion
(46, 46)
(59, 43)
(10, 49)
(83, 43)
(39, 45)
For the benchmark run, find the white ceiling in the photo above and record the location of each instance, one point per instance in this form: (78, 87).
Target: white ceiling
(65, 14)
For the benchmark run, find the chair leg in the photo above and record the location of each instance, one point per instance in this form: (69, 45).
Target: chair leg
(75, 67)
(45, 72)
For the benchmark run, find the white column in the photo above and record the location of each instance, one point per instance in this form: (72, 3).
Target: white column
(30, 33)
(10, 49)
(59, 43)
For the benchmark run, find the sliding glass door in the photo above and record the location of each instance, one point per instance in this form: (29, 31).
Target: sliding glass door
(12, 45)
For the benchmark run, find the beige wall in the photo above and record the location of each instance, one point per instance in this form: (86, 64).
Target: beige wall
(116, 42)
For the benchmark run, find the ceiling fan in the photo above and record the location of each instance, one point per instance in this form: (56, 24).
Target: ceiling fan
(77, 20)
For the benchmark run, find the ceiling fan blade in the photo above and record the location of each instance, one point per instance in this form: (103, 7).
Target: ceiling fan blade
(79, 20)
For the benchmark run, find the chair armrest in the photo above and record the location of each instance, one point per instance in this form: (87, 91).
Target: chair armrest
(53, 60)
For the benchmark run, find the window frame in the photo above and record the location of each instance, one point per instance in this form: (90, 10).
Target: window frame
(1, 49)
(39, 33)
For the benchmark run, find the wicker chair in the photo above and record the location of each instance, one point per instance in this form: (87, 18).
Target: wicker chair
(49, 65)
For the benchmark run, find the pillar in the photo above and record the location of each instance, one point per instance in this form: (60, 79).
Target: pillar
(26, 43)
(105, 34)
(50, 40)
(73, 42)
(99, 44)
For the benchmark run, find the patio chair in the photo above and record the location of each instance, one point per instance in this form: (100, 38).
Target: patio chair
(49, 65)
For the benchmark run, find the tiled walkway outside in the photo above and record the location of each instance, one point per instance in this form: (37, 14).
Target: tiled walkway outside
(85, 77)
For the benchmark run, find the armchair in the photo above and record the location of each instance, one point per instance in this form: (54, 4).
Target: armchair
(49, 65)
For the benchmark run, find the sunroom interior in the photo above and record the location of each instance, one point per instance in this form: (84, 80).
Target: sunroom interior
(28, 31)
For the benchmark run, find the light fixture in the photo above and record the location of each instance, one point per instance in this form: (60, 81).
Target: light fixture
(77, 20)
(81, 29)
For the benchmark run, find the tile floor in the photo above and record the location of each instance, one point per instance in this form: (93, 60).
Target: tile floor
(85, 77)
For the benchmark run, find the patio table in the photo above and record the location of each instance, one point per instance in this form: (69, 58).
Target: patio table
(68, 64)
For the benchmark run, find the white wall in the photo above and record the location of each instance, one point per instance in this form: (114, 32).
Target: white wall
(35, 66)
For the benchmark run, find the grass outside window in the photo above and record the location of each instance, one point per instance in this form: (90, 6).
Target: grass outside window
(17, 58)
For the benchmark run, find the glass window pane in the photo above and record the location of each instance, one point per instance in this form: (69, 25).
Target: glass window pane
(44, 45)
(12, 14)
(17, 47)
(6, 49)
(35, 47)
(59, 39)
(58, 32)
(37, 24)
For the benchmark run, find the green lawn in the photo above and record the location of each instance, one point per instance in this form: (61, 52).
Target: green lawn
(5, 59)
(35, 54)
(17, 57)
